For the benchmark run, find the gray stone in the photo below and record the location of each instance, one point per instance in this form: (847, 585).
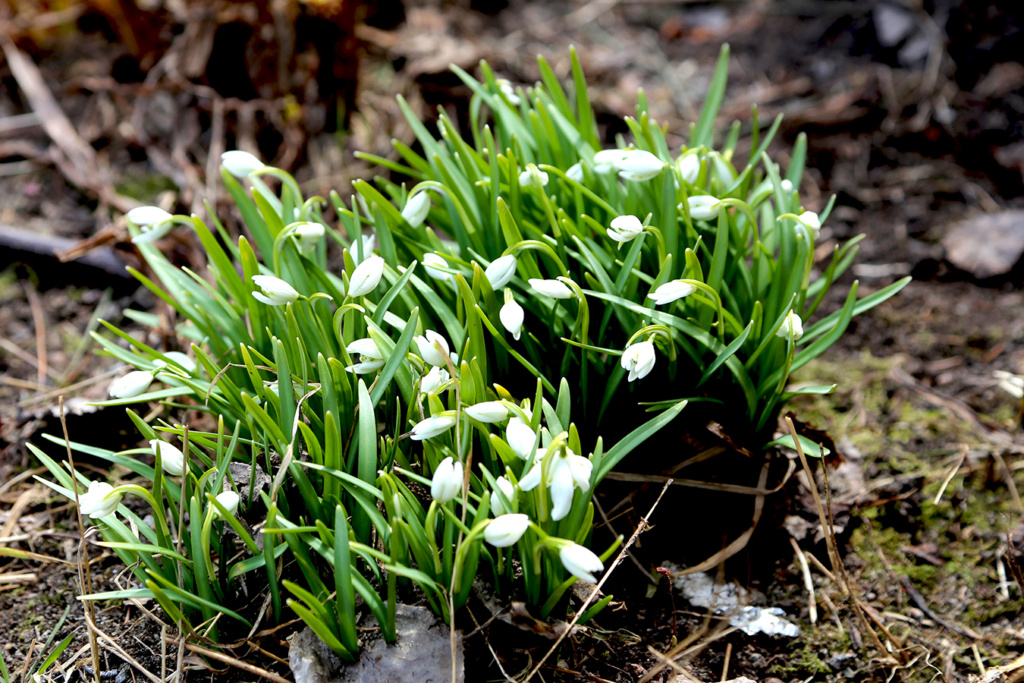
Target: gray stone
(422, 654)
(986, 245)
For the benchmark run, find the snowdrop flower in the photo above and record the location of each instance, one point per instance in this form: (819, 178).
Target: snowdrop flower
(580, 561)
(178, 358)
(368, 242)
(638, 359)
(488, 411)
(370, 357)
(791, 326)
(510, 494)
(447, 481)
(99, 500)
(501, 271)
(509, 91)
(625, 228)
(526, 178)
(240, 164)
(433, 380)
(811, 221)
(130, 385)
(520, 438)
(670, 291)
(638, 164)
(274, 290)
(433, 348)
(689, 168)
(152, 220)
(506, 530)
(787, 186)
(703, 207)
(307, 236)
(416, 209)
(433, 264)
(228, 499)
(575, 172)
(551, 288)
(431, 427)
(512, 316)
(366, 276)
(609, 157)
(171, 459)
(566, 472)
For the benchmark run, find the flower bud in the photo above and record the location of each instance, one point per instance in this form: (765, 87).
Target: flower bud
(791, 326)
(703, 207)
(501, 271)
(512, 316)
(366, 276)
(506, 530)
(689, 168)
(625, 228)
(274, 290)
(171, 459)
(670, 291)
(99, 501)
(431, 427)
(580, 561)
(447, 481)
(509, 492)
(488, 411)
(551, 288)
(229, 500)
(416, 209)
(432, 347)
(131, 385)
(240, 164)
(307, 236)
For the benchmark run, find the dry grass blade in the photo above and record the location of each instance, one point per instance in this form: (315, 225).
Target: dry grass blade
(597, 589)
(230, 661)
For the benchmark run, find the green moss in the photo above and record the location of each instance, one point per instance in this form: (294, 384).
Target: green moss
(145, 187)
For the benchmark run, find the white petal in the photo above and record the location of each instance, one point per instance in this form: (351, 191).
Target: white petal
(240, 164)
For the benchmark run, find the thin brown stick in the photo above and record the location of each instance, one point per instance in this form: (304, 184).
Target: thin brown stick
(84, 573)
(597, 589)
(230, 661)
(812, 604)
(39, 322)
(725, 666)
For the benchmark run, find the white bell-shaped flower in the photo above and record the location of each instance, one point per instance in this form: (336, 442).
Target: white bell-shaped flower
(130, 385)
(433, 263)
(368, 242)
(703, 207)
(447, 481)
(554, 289)
(240, 164)
(501, 271)
(487, 411)
(689, 167)
(99, 501)
(506, 530)
(566, 473)
(580, 562)
(274, 291)
(638, 359)
(512, 316)
(575, 172)
(416, 209)
(307, 236)
(153, 221)
(228, 499)
(431, 427)
(433, 380)
(671, 291)
(370, 357)
(526, 179)
(178, 358)
(366, 276)
(812, 222)
(638, 165)
(171, 459)
(509, 91)
(791, 326)
(520, 437)
(432, 347)
(507, 489)
(625, 228)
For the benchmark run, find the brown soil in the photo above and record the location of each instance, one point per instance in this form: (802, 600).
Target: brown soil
(924, 496)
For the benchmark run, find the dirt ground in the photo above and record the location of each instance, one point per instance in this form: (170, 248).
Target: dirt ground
(913, 113)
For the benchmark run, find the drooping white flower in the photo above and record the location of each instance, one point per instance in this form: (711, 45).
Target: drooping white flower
(512, 316)
(580, 562)
(368, 242)
(638, 165)
(689, 167)
(526, 178)
(273, 290)
(432, 347)
(366, 276)
(240, 164)
(506, 530)
(566, 473)
(811, 221)
(791, 326)
(625, 228)
(99, 500)
(551, 288)
(433, 263)
(609, 157)
(447, 481)
(520, 437)
(153, 221)
(501, 271)
(365, 367)
(130, 385)
(575, 172)
(431, 427)
(670, 291)
(787, 186)
(171, 459)
(639, 359)
(365, 347)
(307, 236)
(509, 91)
(703, 207)
(416, 209)
(506, 488)
(228, 499)
(487, 411)
(433, 380)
